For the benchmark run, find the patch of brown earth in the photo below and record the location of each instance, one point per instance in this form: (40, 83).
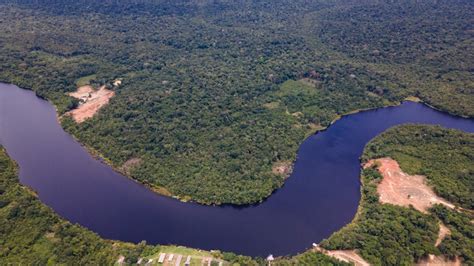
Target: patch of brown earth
(399, 188)
(440, 260)
(433, 260)
(283, 168)
(130, 164)
(349, 256)
(443, 232)
(90, 102)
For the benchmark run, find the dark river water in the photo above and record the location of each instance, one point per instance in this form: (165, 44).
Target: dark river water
(320, 197)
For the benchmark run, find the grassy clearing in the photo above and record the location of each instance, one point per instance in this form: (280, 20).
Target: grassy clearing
(85, 80)
(181, 250)
(295, 88)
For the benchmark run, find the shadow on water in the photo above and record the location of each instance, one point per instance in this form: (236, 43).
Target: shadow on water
(319, 198)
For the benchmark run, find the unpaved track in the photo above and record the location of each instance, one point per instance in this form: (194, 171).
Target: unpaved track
(349, 256)
(443, 233)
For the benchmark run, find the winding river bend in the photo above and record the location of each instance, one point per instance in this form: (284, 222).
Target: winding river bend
(320, 197)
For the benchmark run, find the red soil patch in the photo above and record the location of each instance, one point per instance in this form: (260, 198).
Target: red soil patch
(282, 168)
(91, 101)
(401, 189)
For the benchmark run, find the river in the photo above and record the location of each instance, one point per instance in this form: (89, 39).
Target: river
(319, 198)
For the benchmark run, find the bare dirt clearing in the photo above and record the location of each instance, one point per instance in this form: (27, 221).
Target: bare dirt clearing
(282, 168)
(130, 164)
(443, 232)
(401, 189)
(90, 101)
(349, 256)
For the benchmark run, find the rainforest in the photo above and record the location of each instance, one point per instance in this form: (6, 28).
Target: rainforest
(215, 94)
(322, 132)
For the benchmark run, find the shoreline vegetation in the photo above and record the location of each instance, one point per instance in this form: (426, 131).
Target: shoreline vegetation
(215, 95)
(32, 233)
(211, 110)
(432, 137)
(164, 192)
(285, 173)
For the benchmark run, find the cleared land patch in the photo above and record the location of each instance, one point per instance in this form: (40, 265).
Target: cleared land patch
(91, 101)
(283, 168)
(399, 188)
(130, 164)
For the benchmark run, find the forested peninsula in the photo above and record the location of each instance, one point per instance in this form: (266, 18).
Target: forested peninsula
(215, 97)
(392, 234)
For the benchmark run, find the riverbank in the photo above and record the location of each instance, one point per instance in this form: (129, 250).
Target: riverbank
(33, 234)
(98, 196)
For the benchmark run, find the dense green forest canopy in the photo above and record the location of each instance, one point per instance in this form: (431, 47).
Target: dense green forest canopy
(215, 93)
(386, 234)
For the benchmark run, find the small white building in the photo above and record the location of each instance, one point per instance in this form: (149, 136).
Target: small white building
(270, 258)
(188, 261)
(162, 258)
